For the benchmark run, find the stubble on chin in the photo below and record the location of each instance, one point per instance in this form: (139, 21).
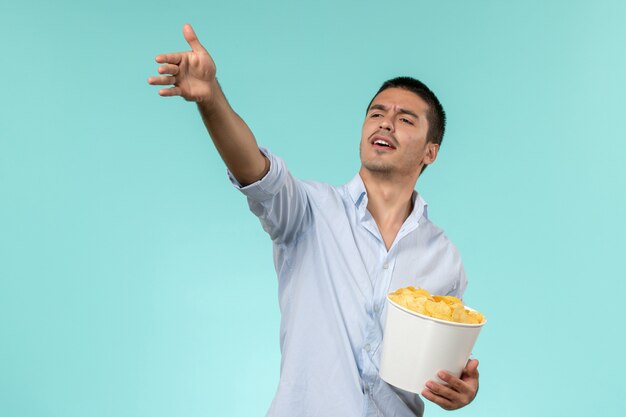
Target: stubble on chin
(377, 168)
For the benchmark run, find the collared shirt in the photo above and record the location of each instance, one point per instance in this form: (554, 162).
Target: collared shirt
(334, 272)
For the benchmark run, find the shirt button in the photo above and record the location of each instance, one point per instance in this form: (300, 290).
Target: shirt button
(376, 308)
(386, 265)
(367, 347)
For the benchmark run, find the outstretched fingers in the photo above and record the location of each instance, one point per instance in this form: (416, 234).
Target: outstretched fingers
(169, 69)
(190, 74)
(174, 58)
(170, 92)
(165, 80)
(168, 80)
(192, 39)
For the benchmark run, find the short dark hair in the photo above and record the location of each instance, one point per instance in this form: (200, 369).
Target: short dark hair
(435, 115)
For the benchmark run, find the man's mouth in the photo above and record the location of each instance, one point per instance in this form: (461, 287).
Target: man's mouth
(381, 142)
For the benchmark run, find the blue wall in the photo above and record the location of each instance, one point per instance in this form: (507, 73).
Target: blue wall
(135, 282)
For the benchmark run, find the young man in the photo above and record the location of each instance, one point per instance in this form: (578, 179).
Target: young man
(339, 251)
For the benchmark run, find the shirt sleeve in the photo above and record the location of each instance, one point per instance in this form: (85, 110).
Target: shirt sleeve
(457, 271)
(461, 285)
(279, 200)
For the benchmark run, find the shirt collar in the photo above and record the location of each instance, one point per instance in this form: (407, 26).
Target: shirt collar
(356, 188)
(357, 192)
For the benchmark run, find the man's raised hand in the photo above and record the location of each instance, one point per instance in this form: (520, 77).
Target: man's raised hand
(191, 74)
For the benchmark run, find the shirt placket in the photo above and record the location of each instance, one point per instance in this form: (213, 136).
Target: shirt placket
(382, 277)
(380, 283)
(373, 332)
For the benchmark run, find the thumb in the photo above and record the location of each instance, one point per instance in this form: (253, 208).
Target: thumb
(192, 39)
(471, 369)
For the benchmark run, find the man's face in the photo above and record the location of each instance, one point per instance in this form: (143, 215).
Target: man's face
(393, 138)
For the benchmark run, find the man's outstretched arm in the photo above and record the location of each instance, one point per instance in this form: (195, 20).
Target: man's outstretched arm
(192, 75)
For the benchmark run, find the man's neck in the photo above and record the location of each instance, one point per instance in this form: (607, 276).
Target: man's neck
(389, 201)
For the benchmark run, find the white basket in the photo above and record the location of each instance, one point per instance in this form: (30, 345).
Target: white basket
(416, 347)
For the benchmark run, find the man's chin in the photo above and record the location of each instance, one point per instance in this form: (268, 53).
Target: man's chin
(380, 168)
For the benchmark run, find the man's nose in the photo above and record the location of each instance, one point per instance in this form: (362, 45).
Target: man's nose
(386, 123)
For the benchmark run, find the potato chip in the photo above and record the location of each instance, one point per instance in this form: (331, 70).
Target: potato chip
(443, 307)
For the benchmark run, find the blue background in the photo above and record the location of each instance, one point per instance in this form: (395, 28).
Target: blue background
(135, 282)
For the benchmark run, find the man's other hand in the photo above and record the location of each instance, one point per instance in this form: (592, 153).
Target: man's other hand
(191, 74)
(458, 392)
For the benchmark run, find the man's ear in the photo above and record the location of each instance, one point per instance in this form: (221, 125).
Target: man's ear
(432, 149)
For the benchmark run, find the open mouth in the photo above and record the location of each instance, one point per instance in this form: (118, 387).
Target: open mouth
(380, 142)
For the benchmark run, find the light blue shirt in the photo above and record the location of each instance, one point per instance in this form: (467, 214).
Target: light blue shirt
(334, 273)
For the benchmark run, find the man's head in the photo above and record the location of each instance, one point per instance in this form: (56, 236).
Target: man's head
(436, 115)
(409, 113)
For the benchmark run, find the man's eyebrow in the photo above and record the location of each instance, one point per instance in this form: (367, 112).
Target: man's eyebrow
(377, 107)
(385, 108)
(409, 112)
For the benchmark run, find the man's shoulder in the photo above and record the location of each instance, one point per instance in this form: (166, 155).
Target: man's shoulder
(436, 235)
(319, 191)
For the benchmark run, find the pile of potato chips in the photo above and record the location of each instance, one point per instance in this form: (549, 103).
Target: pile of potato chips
(443, 307)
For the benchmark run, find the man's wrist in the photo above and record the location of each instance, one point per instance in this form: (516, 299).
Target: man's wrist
(214, 103)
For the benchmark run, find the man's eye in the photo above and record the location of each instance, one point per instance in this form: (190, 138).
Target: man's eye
(375, 115)
(404, 120)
